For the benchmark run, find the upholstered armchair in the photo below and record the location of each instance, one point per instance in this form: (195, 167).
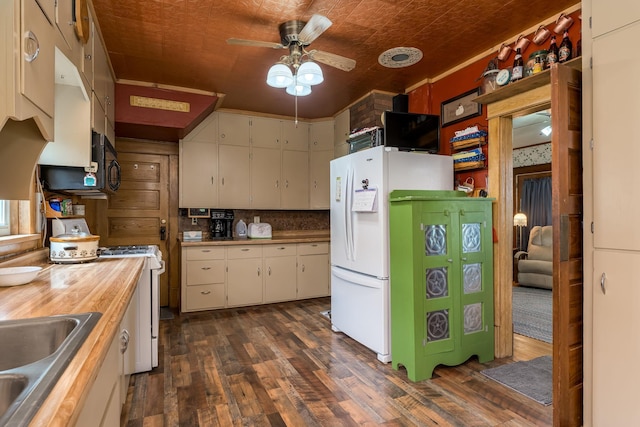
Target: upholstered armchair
(535, 265)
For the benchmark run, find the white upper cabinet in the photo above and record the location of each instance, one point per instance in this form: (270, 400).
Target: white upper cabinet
(65, 22)
(295, 180)
(234, 166)
(265, 178)
(295, 136)
(321, 136)
(27, 64)
(608, 16)
(319, 178)
(233, 129)
(199, 166)
(616, 143)
(265, 132)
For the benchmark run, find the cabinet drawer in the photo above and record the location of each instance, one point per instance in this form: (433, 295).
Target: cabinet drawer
(279, 250)
(313, 248)
(249, 251)
(205, 271)
(205, 253)
(204, 297)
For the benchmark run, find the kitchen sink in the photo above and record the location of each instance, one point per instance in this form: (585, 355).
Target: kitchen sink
(33, 355)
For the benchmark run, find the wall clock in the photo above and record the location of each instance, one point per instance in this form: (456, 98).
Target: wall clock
(81, 20)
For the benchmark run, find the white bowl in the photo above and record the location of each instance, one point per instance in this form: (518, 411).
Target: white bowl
(13, 276)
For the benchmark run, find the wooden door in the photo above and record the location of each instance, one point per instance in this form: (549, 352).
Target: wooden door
(136, 213)
(566, 170)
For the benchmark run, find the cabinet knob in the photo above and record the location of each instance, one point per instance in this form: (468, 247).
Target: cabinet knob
(31, 46)
(87, 57)
(603, 280)
(269, 271)
(258, 271)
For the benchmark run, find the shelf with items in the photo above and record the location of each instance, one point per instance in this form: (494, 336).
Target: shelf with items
(525, 84)
(467, 149)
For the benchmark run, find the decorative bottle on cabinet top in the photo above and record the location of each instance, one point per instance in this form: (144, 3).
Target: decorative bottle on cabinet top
(518, 66)
(564, 52)
(552, 55)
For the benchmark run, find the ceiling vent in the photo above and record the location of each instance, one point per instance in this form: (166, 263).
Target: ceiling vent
(400, 57)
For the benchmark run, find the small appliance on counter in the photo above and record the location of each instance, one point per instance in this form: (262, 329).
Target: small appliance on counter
(259, 230)
(221, 224)
(71, 242)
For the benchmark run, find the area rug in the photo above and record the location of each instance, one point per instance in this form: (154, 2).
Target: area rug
(532, 378)
(166, 313)
(533, 313)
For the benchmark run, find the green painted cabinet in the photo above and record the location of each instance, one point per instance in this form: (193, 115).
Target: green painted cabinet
(441, 280)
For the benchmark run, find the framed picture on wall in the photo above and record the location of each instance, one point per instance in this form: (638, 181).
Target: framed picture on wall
(460, 108)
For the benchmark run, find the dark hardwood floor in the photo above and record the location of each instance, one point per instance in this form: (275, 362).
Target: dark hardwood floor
(281, 365)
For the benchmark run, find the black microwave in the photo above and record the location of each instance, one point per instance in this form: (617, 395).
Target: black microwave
(106, 178)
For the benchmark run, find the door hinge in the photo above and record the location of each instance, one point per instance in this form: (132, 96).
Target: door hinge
(590, 21)
(424, 342)
(591, 144)
(591, 227)
(591, 62)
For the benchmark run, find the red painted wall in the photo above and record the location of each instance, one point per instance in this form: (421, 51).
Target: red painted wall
(428, 98)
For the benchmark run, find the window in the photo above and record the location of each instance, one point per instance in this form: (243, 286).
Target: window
(5, 216)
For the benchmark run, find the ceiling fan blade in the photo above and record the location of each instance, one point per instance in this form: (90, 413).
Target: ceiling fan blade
(256, 43)
(317, 25)
(337, 61)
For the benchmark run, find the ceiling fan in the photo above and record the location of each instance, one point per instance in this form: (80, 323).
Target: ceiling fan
(296, 35)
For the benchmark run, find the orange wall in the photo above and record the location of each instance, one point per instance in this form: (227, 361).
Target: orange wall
(428, 98)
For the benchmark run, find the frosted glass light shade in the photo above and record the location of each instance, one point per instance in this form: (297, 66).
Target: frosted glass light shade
(279, 76)
(310, 74)
(299, 89)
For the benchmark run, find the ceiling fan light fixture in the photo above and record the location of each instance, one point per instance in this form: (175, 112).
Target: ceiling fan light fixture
(310, 73)
(279, 76)
(298, 89)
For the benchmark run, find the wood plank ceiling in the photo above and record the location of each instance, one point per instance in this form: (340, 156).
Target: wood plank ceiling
(183, 43)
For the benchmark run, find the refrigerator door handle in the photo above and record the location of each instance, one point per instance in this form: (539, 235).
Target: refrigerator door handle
(349, 215)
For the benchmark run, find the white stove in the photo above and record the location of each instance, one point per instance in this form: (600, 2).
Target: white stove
(148, 294)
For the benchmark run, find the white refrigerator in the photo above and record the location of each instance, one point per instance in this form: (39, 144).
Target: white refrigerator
(360, 186)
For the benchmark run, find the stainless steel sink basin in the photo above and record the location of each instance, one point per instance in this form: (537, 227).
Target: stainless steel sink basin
(33, 355)
(25, 342)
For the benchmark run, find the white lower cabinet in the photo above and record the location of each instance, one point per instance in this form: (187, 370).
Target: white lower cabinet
(313, 270)
(203, 278)
(221, 276)
(109, 391)
(280, 273)
(244, 275)
(102, 406)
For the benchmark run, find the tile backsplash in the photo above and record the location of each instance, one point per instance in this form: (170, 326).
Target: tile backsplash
(279, 220)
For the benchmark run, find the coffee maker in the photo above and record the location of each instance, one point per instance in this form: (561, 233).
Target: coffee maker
(221, 224)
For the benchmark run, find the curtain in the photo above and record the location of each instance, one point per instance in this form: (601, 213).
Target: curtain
(535, 203)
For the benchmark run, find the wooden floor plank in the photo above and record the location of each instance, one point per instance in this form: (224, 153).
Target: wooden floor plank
(281, 365)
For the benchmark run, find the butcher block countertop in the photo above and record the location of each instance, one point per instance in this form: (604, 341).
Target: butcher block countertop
(279, 237)
(106, 286)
